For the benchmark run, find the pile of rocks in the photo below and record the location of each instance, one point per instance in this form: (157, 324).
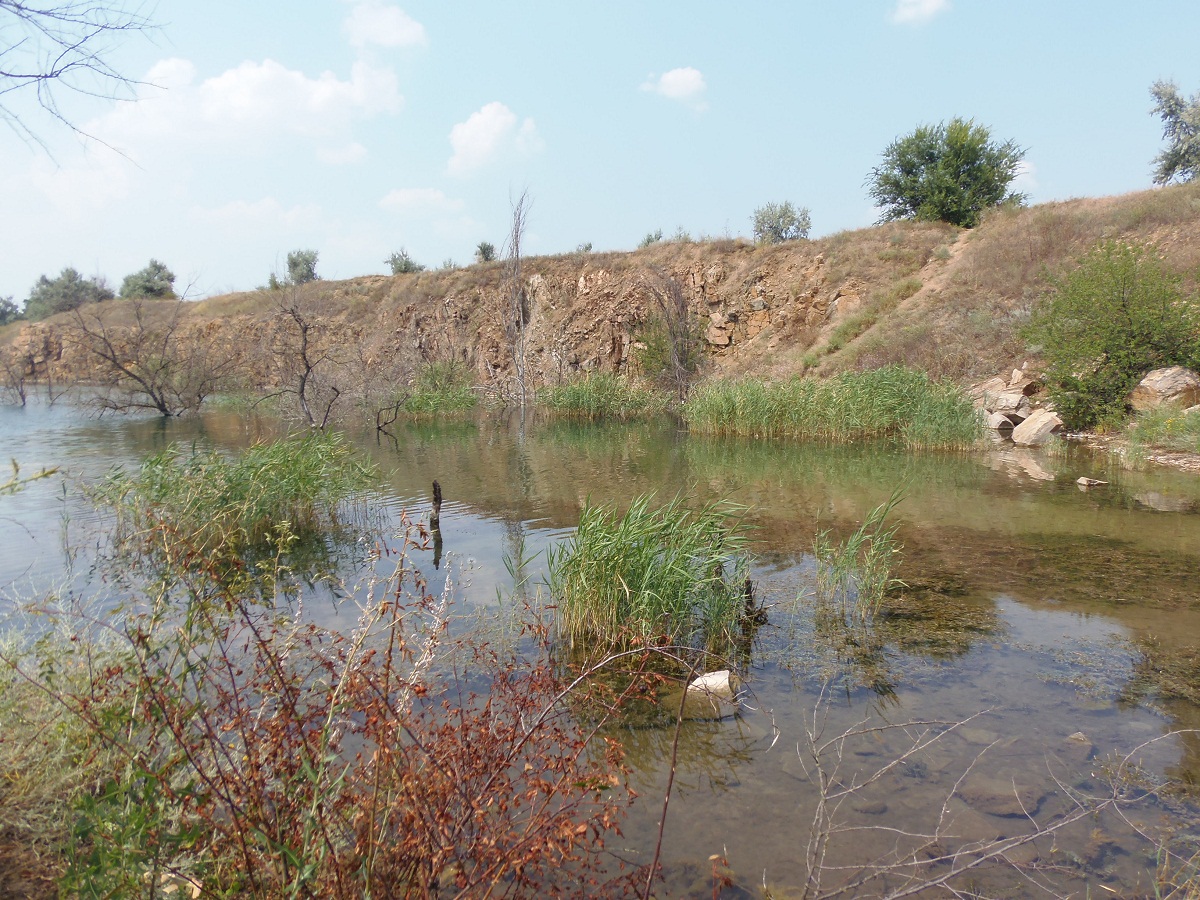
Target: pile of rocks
(1012, 409)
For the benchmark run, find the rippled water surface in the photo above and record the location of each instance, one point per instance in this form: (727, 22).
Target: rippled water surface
(1060, 625)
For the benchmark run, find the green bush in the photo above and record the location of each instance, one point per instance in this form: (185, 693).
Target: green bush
(1106, 324)
(402, 264)
(302, 266)
(775, 223)
(156, 280)
(948, 172)
(440, 389)
(652, 237)
(485, 252)
(68, 291)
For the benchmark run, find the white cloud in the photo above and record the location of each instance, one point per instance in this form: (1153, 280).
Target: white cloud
(908, 12)
(420, 201)
(247, 106)
(267, 215)
(489, 134)
(374, 22)
(685, 85)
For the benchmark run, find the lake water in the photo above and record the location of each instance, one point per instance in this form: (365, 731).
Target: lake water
(1063, 623)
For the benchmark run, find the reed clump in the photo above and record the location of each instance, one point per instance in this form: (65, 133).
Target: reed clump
(227, 507)
(651, 572)
(894, 403)
(441, 389)
(855, 575)
(603, 396)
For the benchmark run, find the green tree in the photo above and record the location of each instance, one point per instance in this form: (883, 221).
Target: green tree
(1180, 161)
(156, 280)
(652, 237)
(485, 252)
(403, 264)
(1107, 323)
(68, 291)
(9, 311)
(302, 266)
(775, 223)
(950, 172)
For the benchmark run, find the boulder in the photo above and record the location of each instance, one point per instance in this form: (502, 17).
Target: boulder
(999, 422)
(1037, 429)
(1172, 386)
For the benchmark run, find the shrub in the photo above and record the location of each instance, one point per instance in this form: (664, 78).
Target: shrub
(402, 264)
(68, 291)
(156, 280)
(9, 311)
(775, 223)
(652, 237)
(1106, 324)
(948, 172)
(302, 266)
(485, 252)
(650, 572)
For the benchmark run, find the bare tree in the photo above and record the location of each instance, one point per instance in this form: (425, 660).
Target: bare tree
(518, 304)
(148, 363)
(14, 371)
(316, 393)
(49, 46)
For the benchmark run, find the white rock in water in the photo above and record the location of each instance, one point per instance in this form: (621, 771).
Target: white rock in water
(1037, 429)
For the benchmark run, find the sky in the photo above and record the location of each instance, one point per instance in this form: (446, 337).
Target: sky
(357, 128)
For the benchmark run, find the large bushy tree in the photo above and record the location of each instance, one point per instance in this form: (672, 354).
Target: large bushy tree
(1180, 160)
(949, 172)
(9, 311)
(68, 291)
(156, 280)
(1107, 323)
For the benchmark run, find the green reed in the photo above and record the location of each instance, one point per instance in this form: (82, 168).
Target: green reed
(603, 396)
(895, 403)
(229, 506)
(651, 571)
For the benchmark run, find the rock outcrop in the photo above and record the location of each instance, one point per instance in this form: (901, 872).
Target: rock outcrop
(1173, 386)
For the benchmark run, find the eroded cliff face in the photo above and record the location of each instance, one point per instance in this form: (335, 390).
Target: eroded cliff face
(582, 313)
(920, 294)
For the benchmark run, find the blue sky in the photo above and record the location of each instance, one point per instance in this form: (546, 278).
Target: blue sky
(357, 127)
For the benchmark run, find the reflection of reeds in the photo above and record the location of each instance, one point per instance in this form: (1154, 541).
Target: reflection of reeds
(897, 403)
(652, 571)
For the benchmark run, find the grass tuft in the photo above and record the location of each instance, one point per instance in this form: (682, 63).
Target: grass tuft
(652, 571)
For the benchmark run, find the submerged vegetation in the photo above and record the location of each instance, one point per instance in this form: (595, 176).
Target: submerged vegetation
(650, 572)
(602, 396)
(894, 403)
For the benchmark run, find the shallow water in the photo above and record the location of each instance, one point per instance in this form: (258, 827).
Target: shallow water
(1065, 621)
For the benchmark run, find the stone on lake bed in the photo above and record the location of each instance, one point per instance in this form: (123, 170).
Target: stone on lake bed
(712, 695)
(997, 796)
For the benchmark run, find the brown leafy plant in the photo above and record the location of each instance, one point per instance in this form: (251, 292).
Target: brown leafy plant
(254, 753)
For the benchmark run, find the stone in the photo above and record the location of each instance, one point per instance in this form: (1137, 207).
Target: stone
(1037, 429)
(1010, 403)
(999, 422)
(995, 796)
(1085, 482)
(1172, 386)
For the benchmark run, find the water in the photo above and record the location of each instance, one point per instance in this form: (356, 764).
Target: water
(1064, 621)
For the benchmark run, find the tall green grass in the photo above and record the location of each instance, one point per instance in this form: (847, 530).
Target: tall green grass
(1168, 429)
(441, 389)
(649, 572)
(895, 403)
(227, 507)
(603, 396)
(854, 576)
